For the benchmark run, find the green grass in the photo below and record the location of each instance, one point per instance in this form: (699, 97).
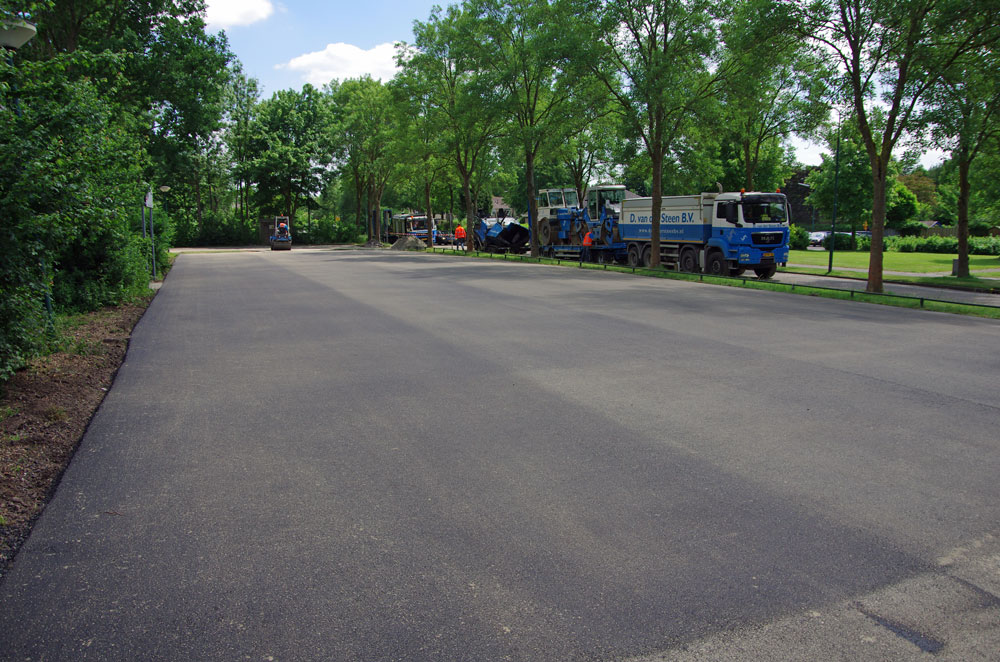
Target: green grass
(752, 283)
(892, 261)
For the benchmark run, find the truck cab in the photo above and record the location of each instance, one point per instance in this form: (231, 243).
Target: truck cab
(749, 230)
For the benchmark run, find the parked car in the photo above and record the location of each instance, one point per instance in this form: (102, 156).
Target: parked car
(816, 238)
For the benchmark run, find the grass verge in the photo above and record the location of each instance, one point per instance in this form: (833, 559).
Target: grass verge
(892, 261)
(988, 312)
(973, 284)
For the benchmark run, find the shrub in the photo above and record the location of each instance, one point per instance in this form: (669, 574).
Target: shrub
(844, 242)
(864, 243)
(984, 245)
(912, 229)
(980, 228)
(977, 245)
(798, 238)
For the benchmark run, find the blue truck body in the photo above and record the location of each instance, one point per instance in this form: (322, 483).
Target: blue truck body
(723, 234)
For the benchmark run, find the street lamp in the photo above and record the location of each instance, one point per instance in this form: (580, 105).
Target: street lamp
(15, 32)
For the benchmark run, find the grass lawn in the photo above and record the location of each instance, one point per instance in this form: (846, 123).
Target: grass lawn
(893, 261)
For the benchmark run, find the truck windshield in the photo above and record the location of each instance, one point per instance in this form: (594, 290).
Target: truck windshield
(765, 209)
(555, 199)
(571, 199)
(597, 199)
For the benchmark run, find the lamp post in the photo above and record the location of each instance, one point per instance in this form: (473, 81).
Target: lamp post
(14, 33)
(148, 204)
(836, 182)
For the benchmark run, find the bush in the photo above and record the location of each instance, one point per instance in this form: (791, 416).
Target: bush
(980, 228)
(912, 229)
(798, 238)
(865, 243)
(844, 242)
(977, 245)
(984, 245)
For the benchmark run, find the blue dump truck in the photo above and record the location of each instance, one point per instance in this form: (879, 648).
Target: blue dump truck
(718, 233)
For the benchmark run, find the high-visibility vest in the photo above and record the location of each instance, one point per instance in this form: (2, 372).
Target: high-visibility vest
(588, 240)
(460, 232)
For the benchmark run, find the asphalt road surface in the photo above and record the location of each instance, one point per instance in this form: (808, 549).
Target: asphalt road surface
(353, 455)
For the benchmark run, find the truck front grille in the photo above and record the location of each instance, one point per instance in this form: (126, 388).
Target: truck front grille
(766, 238)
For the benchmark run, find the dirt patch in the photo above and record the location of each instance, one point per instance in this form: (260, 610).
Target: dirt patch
(45, 409)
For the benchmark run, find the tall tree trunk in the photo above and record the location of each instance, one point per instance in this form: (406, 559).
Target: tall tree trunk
(358, 194)
(529, 174)
(963, 214)
(880, 171)
(654, 235)
(197, 196)
(470, 204)
(369, 201)
(428, 212)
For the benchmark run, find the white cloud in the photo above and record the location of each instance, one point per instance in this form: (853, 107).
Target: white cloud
(342, 61)
(227, 13)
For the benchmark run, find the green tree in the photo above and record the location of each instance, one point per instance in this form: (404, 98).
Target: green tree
(656, 65)
(779, 94)
(468, 102)
(241, 114)
(889, 54)
(364, 137)
(966, 116)
(529, 50)
(853, 183)
(290, 151)
(421, 150)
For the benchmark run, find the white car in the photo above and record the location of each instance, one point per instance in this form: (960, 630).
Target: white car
(816, 238)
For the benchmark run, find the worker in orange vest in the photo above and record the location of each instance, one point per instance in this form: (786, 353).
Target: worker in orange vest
(460, 236)
(588, 241)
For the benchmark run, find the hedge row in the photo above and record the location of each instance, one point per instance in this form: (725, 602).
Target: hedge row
(977, 245)
(799, 240)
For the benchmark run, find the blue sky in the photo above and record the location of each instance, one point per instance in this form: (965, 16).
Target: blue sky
(286, 43)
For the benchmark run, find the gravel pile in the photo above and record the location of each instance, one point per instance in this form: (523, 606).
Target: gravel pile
(408, 244)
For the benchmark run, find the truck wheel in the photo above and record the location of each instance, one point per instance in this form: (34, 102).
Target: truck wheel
(647, 256)
(545, 233)
(764, 273)
(689, 261)
(716, 265)
(633, 256)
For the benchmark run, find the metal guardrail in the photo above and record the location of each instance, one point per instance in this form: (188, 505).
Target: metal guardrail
(677, 275)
